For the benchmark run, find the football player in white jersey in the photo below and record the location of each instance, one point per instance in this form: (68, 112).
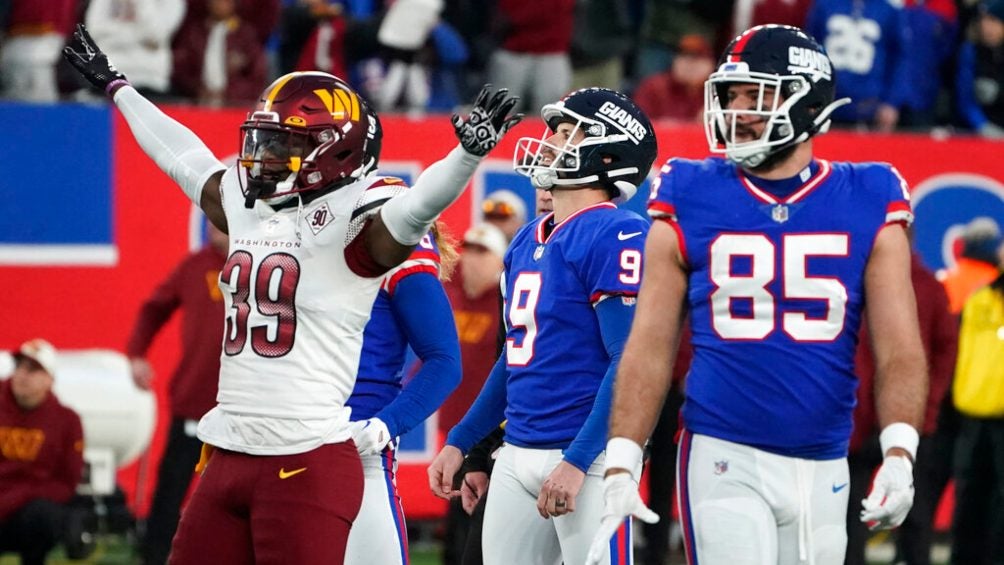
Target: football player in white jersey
(312, 230)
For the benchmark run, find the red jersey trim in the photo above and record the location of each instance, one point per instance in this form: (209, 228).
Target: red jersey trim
(397, 277)
(577, 213)
(358, 258)
(824, 172)
(661, 210)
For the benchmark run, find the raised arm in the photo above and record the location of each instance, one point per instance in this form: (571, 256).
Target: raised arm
(176, 150)
(403, 221)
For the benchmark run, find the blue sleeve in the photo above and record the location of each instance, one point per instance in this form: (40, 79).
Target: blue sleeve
(486, 413)
(423, 312)
(965, 76)
(615, 315)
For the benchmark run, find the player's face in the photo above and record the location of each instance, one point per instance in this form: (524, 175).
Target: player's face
(565, 134)
(753, 98)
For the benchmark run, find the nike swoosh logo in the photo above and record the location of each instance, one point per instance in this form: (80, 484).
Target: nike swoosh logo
(283, 474)
(623, 236)
(838, 488)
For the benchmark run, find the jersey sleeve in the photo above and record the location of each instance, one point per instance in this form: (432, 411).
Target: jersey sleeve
(896, 192)
(424, 259)
(662, 199)
(613, 264)
(366, 207)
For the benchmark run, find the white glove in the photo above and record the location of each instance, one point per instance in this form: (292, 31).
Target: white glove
(370, 436)
(620, 500)
(891, 496)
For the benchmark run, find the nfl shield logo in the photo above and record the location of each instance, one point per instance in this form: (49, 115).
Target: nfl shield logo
(721, 467)
(538, 253)
(779, 213)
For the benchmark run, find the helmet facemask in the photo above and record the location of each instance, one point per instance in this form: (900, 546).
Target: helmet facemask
(278, 162)
(549, 165)
(774, 102)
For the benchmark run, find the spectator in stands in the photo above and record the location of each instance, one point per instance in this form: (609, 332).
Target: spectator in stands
(506, 210)
(678, 92)
(934, 24)
(405, 29)
(191, 288)
(219, 60)
(979, 84)
(137, 35)
(939, 333)
(870, 44)
(474, 294)
(666, 22)
(41, 456)
(533, 59)
(978, 521)
(976, 265)
(601, 38)
(323, 25)
(32, 41)
(262, 15)
(749, 13)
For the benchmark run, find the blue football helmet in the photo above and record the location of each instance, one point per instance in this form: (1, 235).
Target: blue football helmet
(796, 97)
(616, 153)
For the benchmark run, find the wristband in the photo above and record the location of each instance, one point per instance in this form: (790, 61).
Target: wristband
(900, 435)
(623, 453)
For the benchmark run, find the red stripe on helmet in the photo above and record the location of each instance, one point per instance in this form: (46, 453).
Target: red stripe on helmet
(741, 42)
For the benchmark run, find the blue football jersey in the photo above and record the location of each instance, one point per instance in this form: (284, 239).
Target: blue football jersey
(381, 362)
(555, 354)
(776, 292)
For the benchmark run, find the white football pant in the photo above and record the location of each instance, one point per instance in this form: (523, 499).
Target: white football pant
(515, 533)
(740, 505)
(379, 534)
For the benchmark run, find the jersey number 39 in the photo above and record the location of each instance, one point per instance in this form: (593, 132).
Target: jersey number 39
(274, 284)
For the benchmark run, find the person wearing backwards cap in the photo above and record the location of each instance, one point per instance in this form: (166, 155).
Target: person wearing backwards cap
(41, 455)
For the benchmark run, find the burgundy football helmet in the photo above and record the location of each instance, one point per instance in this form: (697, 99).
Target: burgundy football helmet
(309, 131)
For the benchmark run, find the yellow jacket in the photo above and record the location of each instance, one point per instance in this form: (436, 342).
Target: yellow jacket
(979, 372)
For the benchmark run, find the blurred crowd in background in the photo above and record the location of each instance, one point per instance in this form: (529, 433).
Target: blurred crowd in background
(906, 64)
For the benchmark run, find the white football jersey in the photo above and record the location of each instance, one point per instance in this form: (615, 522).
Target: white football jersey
(295, 315)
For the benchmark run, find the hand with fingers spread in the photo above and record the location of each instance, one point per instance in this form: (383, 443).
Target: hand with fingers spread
(620, 500)
(891, 496)
(488, 121)
(474, 487)
(558, 492)
(85, 56)
(442, 470)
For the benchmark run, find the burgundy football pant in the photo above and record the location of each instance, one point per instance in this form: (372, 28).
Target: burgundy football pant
(272, 509)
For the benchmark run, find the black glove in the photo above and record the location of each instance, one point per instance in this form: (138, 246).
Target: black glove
(84, 55)
(488, 122)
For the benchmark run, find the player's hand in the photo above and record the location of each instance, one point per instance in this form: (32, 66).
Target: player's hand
(474, 487)
(620, 500)
(83, 54)
(488, 122)
(557, 494)
(891, 495)
(442, 471)
(370, 436)
(142, 372)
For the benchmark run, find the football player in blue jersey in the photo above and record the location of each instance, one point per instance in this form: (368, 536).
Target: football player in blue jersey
(776, 255)
(570, 281)
(411, 300)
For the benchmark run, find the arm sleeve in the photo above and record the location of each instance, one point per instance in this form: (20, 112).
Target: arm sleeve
(486, 413)
(422, 310)
(176, 150)
(615, 317)
(155, 312)
(409, 215)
